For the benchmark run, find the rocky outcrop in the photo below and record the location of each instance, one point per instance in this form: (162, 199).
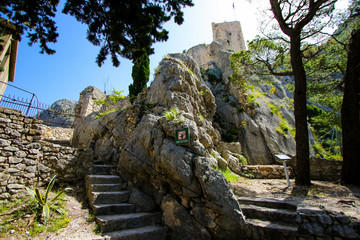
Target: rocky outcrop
(60, 114)
(257, 113)
(194, 197)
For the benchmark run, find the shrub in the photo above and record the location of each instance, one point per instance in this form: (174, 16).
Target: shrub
(45, 205)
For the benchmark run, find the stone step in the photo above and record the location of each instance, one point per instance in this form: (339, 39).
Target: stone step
(271, 230)
(104, 170)
(102, 179)
(107, 187)
(143, 233)
(97, 198)
(107, 209)
(110, 223)
(269, 203)
(288, 217)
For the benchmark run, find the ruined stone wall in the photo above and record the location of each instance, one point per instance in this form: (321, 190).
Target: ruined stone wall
(26, 159)
(86, 104)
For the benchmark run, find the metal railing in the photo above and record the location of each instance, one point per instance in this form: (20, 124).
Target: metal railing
(31, 107)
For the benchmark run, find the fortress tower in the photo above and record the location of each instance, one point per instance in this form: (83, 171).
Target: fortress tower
(229, 34)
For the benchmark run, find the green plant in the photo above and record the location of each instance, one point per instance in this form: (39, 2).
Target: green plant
(114, 96)
(45, 204)
(242, 159)
(157, 70)
(320, 151)
(191, 72)
(100, 115)
(229, 175)
(171, 115)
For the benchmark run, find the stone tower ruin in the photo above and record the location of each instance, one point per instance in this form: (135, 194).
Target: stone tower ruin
(229, 35)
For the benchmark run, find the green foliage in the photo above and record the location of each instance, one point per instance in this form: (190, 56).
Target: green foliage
(284, 125)
(15, 218)
(140, 75)
(263, 57)
(242, 159)
(45, 204)
(229, 176)
(126, 28)
(100, 115)
(171, 115)
(114, 96)
(34, 17)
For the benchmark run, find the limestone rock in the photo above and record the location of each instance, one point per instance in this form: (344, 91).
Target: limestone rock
(60, 113)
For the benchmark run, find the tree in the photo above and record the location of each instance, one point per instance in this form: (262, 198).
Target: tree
(140, 74)
(350, 112)
(351, 115)
(295, 18)
(125, 28)
(34, 17)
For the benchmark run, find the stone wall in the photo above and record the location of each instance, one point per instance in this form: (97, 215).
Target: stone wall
(56, 133)
(26, 159)
(320, 169)
(267, 171)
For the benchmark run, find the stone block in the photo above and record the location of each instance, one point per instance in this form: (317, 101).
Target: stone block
(34, 151)
(4, 120)
(15, 160)
(33, 146)
(4, 143)
(44, 168)
(12, 133)
(20, 166)
(20, 154)
(11, 149)
(12, 170)
(324, 219)
(5, 196)
(6, 154)
(29, 175)
(30, 169)
(32, 156)
(4, 177)
(15, 186)
(29, 161)
(3, 159)
(12, 179)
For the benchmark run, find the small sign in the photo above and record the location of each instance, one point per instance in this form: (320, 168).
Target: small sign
(182, 136)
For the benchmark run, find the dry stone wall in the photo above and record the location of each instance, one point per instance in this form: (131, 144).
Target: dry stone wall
(26, 159)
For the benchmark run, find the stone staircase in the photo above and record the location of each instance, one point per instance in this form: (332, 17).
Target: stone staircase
(118, 219)
(270, 218)
(280, 219)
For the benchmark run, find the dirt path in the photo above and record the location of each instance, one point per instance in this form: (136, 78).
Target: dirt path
(321, 195)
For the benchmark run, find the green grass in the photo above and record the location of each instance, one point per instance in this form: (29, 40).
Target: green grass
(16, 216)
(230, 176)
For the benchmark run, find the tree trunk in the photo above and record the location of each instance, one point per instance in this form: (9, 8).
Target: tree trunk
(350, 115)
(302, 171)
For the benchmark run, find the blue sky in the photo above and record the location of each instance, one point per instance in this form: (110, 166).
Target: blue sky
(66, 73)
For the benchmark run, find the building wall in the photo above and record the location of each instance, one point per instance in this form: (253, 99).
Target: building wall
(229, 34)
